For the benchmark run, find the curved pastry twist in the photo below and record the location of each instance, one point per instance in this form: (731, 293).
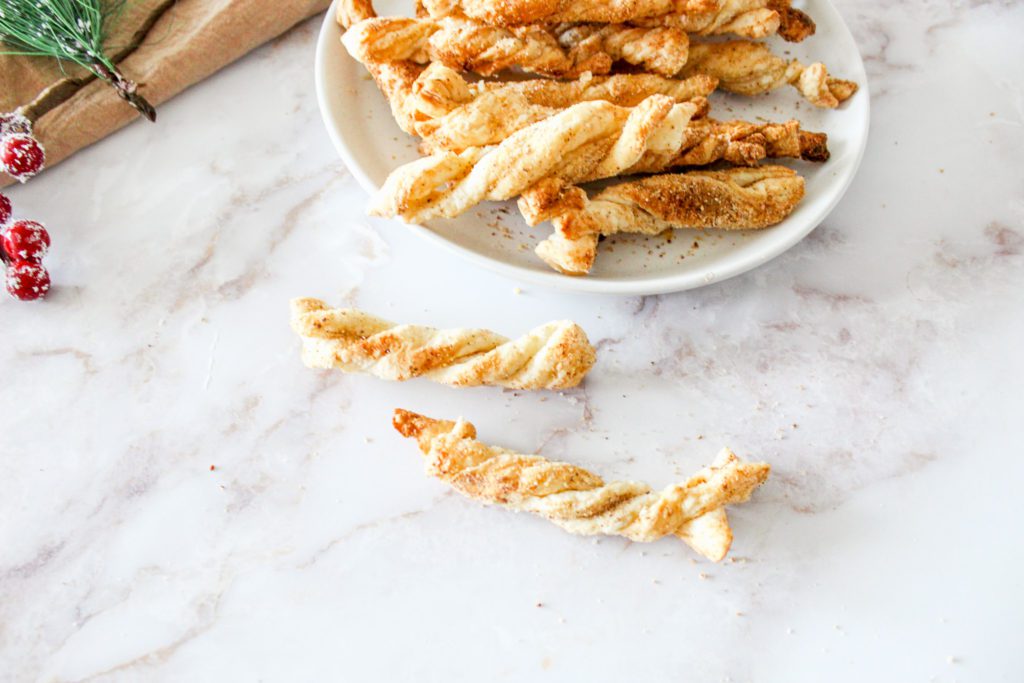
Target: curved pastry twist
(467, 45)
(750, 68)
(578, 500)
(733, 199)
(553, 356)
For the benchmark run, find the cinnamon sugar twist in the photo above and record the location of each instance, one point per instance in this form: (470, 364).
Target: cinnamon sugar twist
(553, 356)
(467, 45)
(731, 199)
(497, 112)
(749, 68)
(586, 141)
(437, 104)
(578, 500)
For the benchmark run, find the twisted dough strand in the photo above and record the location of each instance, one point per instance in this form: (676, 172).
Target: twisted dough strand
(733, 199)
(467, 45)
(749, 68)
(492, 114)
(521, 12)
(588, 140)
(553, 356)
(576, 499)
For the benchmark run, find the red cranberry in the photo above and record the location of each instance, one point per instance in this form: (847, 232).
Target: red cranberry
(21, 156)
(5, 209)
(26, 241)
(27, 281)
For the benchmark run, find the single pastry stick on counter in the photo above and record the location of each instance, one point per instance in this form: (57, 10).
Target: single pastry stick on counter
(731, 199)
(578, 500)
(749, 68)
(588, 141)
(467, 45)
(553, 356)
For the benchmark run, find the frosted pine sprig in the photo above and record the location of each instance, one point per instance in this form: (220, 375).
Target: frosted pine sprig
(71, 31)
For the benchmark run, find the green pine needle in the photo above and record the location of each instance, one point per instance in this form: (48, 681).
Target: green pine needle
(71, 31)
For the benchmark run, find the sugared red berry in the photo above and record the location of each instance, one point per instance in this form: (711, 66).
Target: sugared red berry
(5, 209)
(25, 241)
(14, 123)
(27, 281)
(21, 156)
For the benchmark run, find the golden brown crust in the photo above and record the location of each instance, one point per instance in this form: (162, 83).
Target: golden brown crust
(553, 356)
(732, 199)
(749, 68)
(580, 501)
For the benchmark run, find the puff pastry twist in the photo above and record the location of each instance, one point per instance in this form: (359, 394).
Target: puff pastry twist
(587, 141)
(437, 104)
(749, 68)
(732, 199)
(578, 500)
(553, 356)
(496, 113)
(749, 18)
(467, 45)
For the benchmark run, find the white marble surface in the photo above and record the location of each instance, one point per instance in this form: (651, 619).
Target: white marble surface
(877, 366)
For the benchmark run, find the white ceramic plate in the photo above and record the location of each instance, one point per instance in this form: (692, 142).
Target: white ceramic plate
(493, 235)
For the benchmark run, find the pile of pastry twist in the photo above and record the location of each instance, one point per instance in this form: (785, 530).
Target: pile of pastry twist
(621, 89)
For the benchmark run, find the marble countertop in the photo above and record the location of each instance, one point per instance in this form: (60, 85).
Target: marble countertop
(877, 366)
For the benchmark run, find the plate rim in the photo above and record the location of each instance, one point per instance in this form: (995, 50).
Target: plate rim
(330, 36)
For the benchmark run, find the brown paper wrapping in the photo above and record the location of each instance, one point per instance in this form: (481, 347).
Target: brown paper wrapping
(163, 45)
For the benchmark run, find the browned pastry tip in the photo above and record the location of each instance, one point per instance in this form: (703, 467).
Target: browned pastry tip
(794, 25)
